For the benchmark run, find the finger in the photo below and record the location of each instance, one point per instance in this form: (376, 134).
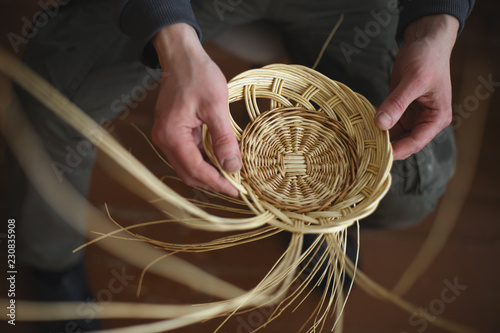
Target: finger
(224, 141)
(189, 164)
(414, 141)
(393, 107)
(405, 123)
(397, 132)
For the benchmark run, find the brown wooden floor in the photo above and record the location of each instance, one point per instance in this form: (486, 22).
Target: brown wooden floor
(471, 256)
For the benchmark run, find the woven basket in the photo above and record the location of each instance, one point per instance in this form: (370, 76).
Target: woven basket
(314, 156)
(313, 162)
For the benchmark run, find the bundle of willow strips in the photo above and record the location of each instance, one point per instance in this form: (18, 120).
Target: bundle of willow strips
(313, 162)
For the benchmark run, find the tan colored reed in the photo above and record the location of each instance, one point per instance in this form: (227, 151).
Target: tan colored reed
(342, 117)
(314, 154)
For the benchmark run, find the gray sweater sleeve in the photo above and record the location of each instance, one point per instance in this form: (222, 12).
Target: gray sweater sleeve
(142, 19)
(411, 10)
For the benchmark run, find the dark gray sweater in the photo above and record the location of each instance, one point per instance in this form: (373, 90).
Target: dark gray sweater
(142, 19)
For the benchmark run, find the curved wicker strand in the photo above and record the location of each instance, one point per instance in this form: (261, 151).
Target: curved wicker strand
(315, 153)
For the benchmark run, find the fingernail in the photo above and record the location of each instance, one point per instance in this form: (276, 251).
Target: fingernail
(384, 120)
(231, 163)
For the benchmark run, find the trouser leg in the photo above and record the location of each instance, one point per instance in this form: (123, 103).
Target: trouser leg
(83, 54)
(361, 55)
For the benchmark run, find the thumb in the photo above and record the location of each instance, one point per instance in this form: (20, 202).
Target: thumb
(393, 107)
(224, 141)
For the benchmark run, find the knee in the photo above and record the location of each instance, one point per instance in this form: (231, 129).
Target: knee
(417, 184)
(399, 210)
(70, 154)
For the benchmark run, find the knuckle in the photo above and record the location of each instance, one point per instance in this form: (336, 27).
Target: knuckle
(213, 112)
(165, 135)
(224, 139)
(189, 181)
(398, 103)
(415, 147)
(189, 174)
(158, 136)
(193, 171)
(447, 119)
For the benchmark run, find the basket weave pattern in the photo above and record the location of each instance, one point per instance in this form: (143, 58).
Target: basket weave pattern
(314, 157)
(291, 160)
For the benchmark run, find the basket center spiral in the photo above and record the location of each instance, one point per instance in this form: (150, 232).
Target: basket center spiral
(298, 160)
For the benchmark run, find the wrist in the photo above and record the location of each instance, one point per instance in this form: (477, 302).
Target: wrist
(174, 42)
(441, 29)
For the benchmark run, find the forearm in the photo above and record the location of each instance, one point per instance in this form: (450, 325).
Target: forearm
(193, 92)
(440, 30)
(143, 19)
(419, 105)
(413, 10)
(176, 42)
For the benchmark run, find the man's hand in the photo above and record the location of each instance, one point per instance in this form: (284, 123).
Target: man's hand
(419, 105)
(193, 92)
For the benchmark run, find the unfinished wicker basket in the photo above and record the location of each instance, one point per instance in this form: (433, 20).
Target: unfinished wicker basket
(314, 156)
(313, 162)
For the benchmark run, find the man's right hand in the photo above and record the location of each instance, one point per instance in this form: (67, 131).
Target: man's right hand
(193, 92)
